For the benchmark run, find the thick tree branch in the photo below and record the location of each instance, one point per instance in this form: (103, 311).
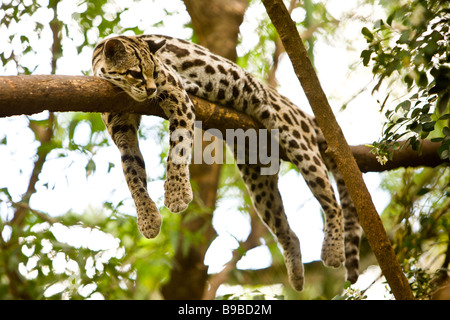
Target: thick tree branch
(253, 241)
(405, 158)
(27, 95)
(339, 150)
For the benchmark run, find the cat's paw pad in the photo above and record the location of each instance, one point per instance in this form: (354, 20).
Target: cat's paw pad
(149, 220)
(177, 206)
(178, 200)
(333, 253)
(296, 275)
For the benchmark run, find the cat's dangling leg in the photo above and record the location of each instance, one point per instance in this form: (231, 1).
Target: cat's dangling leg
(352, 228)
(180, 111)
(302, 150)
(123, 129)
(266, 198)
(316, 176)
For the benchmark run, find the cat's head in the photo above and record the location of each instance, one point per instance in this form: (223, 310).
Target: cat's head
(129, 63)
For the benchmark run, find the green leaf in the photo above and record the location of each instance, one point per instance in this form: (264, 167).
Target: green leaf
(422, 80)
(404, 38)
(423, 191)
(367, 34)
(378, 24)
(405, 105)
(426, 108)
(446, 131)
(415, 127)
(408, 80)
(442, 104)
(428, 126)
(390, 18)
(436, 36)
(443, 152)
(366, 56)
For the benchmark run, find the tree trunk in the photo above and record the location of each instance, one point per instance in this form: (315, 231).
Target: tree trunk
(216, 23)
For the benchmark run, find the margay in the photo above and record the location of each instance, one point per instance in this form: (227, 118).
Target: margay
(166, 69)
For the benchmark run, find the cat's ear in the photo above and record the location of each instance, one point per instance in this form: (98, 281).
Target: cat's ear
(114, 48)
(155, 46)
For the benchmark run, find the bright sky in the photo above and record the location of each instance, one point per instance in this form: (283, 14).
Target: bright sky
(339, 69)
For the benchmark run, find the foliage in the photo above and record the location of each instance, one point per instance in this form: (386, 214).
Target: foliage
(52, 263)
(27, 24)
(418, 278)
(251, 295)
(46, 255)
(410, 49)
(351, 293)
(258, 57)
(97, 252)
(412, 45)
(419, 218)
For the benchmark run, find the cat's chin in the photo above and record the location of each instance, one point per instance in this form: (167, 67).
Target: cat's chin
(143, 98)
(140, 99)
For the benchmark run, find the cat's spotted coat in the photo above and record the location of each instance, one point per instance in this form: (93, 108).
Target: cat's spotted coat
(165, 68)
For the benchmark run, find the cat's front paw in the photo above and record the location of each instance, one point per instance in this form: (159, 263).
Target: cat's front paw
(296, 274)
(178, 196)
(178, 206)
(148, 219)
(333, 254)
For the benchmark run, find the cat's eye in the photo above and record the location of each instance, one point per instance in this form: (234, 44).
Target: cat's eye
(135, 74)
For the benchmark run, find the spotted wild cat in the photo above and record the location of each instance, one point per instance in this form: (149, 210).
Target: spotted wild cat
(165, 68)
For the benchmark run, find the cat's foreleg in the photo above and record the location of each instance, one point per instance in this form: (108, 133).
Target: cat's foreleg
(123, 130)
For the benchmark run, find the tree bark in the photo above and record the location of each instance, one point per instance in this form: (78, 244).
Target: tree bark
(27, 95)
(339, 150)
(216, 24)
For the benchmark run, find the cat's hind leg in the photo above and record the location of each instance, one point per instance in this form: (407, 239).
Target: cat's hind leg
(306, 156)
(266, 198)
(352, 228)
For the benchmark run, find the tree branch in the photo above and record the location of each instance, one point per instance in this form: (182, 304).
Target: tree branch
(339, 150)
(27, 95)
(253, 241)
(407, 157)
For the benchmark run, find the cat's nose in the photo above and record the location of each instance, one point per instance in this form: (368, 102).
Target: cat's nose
(150, 91)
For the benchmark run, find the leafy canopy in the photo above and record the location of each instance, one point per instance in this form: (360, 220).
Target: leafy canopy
(412, 45)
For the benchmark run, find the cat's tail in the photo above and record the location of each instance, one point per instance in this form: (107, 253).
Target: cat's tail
(352, 227)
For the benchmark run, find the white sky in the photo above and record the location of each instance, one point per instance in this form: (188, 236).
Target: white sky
(68, 188)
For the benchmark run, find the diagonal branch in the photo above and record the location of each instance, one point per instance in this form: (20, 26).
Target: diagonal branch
(339, 150)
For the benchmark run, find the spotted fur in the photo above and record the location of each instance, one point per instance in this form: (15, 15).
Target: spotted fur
(165, 68)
